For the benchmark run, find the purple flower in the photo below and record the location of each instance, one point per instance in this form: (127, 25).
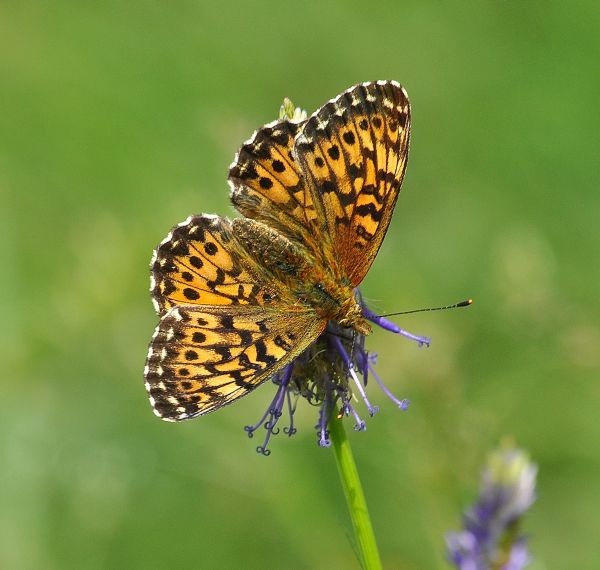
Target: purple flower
(331, 374)
(490, 537)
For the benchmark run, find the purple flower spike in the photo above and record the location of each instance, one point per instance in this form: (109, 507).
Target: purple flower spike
(392, 327)
(490, 537)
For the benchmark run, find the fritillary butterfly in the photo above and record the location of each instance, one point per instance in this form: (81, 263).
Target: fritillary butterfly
(240, 299)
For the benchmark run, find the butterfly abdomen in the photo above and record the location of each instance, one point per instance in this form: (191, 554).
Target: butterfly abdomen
(311, 284)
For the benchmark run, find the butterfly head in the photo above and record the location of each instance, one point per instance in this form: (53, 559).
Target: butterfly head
(339, 304)
(351, 316)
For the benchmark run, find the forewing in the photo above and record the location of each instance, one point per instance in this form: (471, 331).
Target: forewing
(353, 152)
(201, 262)
(267, 185)
(203, 358)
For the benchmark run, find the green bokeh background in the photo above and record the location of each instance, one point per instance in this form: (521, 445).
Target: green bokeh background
(118, 120)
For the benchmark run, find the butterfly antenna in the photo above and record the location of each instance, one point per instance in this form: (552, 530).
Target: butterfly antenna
(464, 303)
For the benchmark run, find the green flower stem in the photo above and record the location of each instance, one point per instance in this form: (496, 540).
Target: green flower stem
(355, 498)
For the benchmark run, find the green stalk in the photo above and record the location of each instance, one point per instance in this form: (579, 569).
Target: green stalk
(355, 498)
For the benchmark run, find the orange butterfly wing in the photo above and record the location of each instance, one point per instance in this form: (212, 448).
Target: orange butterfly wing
(204, 357)
(331, 183)
(227, 324)
(353, 152)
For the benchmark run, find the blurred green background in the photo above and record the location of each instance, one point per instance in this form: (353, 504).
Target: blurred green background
(118, 120)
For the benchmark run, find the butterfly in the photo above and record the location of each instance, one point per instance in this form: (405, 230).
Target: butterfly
(239, 299)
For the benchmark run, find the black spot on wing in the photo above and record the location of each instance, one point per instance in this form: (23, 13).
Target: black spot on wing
(199, 337)
(370, 210)
(262, 355)
(245, 337)
(191, 294)
(349, 137)
(196, 262)
(210, 248)
(191, 355)
(278, 166)
(265, 183)
(334, 152)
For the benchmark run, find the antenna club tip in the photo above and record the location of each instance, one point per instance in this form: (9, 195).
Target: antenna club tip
(465, 303)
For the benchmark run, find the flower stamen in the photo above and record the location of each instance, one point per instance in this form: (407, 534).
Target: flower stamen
(274, 412)
(323, 433)
(359, 424)
(392, 327)
(350, 366)
(402, 404)
(290, 430)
